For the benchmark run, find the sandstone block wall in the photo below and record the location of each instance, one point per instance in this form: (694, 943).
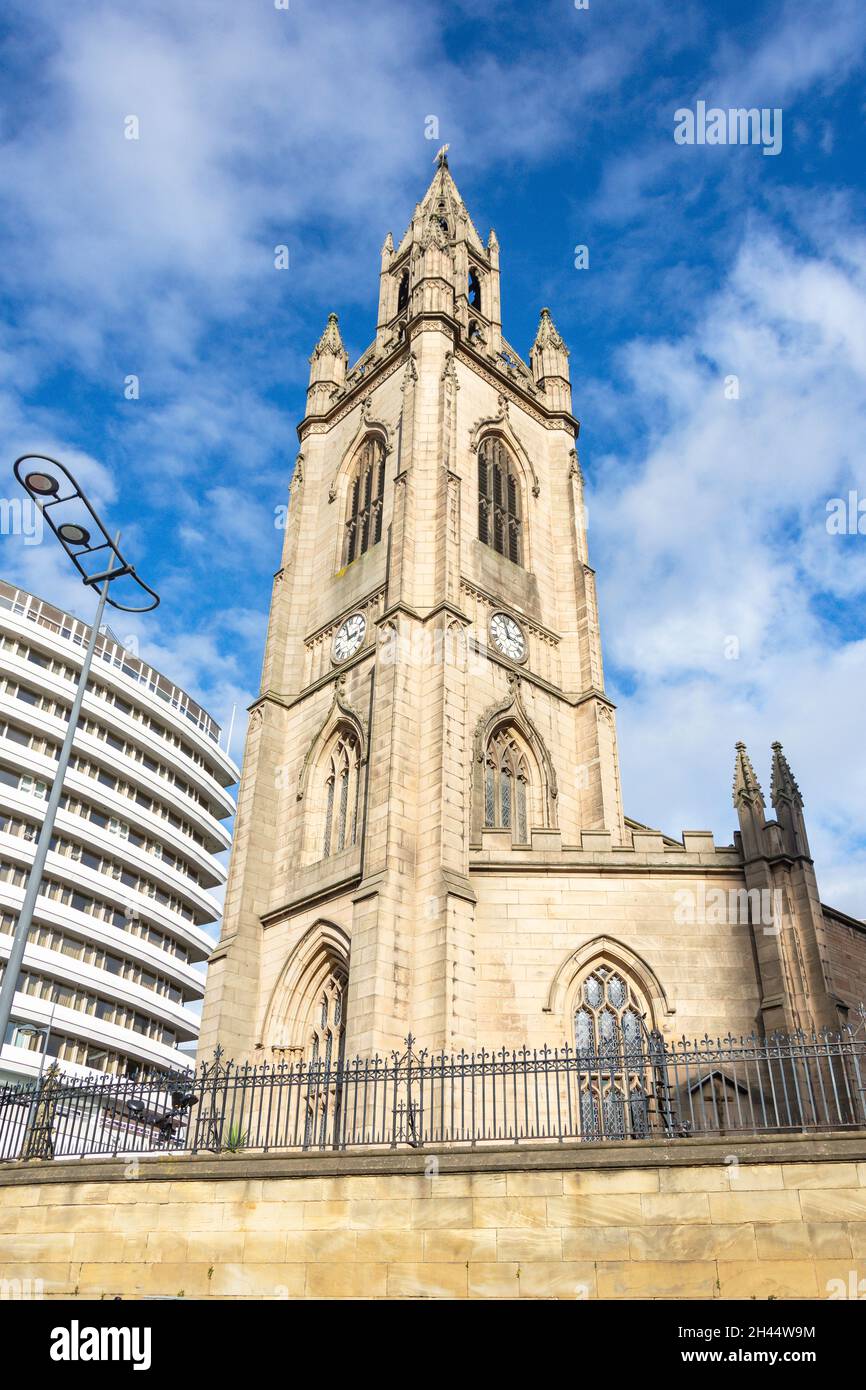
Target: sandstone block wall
(732, 1219)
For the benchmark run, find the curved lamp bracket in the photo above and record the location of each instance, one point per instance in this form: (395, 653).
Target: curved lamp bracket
(71, 516)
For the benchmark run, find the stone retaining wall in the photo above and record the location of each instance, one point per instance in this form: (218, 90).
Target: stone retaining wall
(731, 1219)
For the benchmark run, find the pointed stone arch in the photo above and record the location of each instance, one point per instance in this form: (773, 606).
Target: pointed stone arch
(511, 713)
(320, 955)
(501, 424)
(340, 713)
(607, 950)
(367, 425)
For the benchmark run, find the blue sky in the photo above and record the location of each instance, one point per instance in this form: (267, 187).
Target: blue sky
(306, 127)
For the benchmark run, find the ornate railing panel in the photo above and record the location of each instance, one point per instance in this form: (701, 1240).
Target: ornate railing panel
(649, 1089)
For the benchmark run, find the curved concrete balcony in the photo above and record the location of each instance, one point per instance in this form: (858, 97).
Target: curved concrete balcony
(79, 975)
(114, 763)
(147, 1052)
(114, 666)
(198, 944)
(113, 890)
(106, 802)
(118, 722)
(187, 976)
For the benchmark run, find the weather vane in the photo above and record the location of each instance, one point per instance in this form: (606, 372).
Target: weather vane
(442, 156)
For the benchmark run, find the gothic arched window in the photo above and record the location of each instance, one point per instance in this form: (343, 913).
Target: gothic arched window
(608, 1013)
(506, 787)
(325, 1053)
(328, 1022)
(609, 1033)
(342, 782)
(366, 493)
(498, 500)
(403, 292)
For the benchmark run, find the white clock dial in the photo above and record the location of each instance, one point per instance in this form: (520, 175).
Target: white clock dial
(350, 635)
(507, 637)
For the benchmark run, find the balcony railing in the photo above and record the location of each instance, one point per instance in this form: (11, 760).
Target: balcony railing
(643, 1088)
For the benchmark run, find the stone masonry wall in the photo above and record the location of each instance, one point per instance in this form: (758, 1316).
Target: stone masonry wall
(731, 1219)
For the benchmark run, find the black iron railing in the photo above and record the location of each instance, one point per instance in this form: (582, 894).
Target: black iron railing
(645, 1089)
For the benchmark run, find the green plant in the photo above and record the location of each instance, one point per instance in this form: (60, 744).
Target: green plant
(235, 1140)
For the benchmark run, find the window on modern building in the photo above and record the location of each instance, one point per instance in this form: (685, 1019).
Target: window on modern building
(366, 494)
(507, 787)
(499, 524)
(34, 786)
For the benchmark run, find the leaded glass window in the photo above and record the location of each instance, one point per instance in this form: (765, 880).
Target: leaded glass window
(506, 784)
(609, 1046)
(607, 1015)
(326, 1052)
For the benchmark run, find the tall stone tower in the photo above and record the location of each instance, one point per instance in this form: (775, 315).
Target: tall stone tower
(430, 835)
(434, 591)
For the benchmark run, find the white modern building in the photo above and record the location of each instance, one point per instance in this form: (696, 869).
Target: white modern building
(114, 966)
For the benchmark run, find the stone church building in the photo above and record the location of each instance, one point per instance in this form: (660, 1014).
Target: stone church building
(430, 833)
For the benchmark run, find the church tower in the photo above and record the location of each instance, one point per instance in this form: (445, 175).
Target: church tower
(432, 701)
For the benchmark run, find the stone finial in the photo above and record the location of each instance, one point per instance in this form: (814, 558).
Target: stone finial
(747, 788)
(388, 244)
(547, 336)
(492, 241)
(330, 341)
(327, 368)
(783, 787)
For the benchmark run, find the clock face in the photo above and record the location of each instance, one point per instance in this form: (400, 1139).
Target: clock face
(350, 635)
(507, 637)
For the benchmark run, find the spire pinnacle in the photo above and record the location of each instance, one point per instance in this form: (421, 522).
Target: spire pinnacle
(441, 210)
(547, 336)
(783, 787)
(747, 788)
(330, 341)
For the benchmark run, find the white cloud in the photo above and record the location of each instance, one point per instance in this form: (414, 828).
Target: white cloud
(723, 518)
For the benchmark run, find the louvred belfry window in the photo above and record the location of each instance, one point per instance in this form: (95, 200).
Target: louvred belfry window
(341, 795)
(366, 493)
(498, 500)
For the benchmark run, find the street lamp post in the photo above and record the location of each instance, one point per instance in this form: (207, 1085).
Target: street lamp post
(100, 563)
